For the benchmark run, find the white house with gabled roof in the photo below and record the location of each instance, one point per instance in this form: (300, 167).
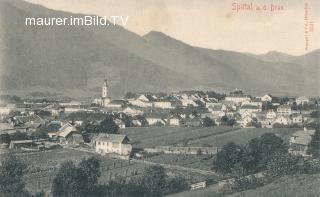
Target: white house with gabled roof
(113, 143)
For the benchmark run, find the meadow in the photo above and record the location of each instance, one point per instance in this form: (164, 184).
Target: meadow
(241, 136)
(161, 136)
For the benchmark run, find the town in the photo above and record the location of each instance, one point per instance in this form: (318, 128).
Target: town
(181, 131)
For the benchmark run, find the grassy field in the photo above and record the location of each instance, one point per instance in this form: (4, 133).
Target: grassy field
(296, 186)
(159, 136)
(240, 136)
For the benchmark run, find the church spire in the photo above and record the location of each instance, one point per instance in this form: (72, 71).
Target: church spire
(105, 89)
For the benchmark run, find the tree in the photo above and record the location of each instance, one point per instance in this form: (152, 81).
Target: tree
(225, 120)
(267, 105)
(260, 150)
(81, 181)
(11, 177)
(19, 136)
(90, 173)
(208, 122)
(43, 113)
(154, 179)
(108, 126)
(4, 138)
(228, 158)
(130, 95)
(65, 183)
(294, 106)
(315, 114)
(105, 126)
(314, 147)
(194, 113)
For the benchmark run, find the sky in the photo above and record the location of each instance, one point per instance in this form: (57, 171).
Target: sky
(213, 23)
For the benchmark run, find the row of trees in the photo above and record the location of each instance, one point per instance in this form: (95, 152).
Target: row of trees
(82, 180)
(250, 158)
(267, 155)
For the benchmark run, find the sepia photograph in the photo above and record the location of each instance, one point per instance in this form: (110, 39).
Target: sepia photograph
(159, 98)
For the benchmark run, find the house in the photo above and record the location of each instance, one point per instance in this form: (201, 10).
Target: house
(245, 121)
(163, 104)
(6, 109)
(283, 120)
(6, 128)
(254, 102)
(250, 109)
(300, 141)
(209, 102)
(131, 111)
(217, 110)
(302, 100)
(71, 104)
(143, 97)
(155, 119)
(26, 120)
(140, 103)
(186, 101)
(266, 123)
(238, 98)
(271, 114)
(266, 98)
(67, 134)
(56, 111)
(136, 123)
(120, 123)
(116, 104)
(29, 122)
(297, 119)
(174, 121)
(74, 109)
(113, 143)
(284, 110)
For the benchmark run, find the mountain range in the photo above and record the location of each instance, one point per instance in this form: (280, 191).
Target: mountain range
(74, 60)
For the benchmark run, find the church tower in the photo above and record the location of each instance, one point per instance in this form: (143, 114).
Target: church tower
(105, 89)
(105, 100)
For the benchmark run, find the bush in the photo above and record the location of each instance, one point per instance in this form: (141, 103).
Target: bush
(284, 164)
(245, 183)
(208, 122)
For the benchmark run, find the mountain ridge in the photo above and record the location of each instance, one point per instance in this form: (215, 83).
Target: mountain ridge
(67, 59)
